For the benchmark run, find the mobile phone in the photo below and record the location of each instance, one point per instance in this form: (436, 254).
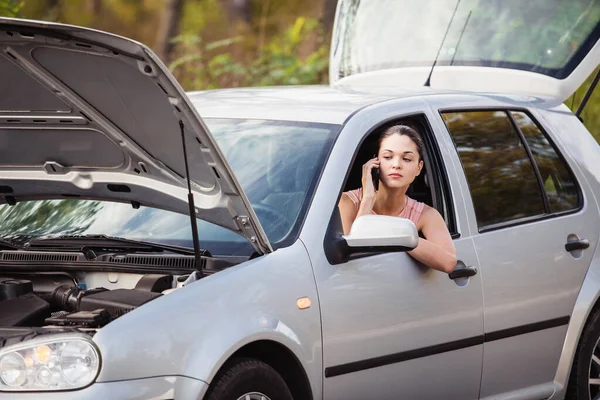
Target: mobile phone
(375, 175)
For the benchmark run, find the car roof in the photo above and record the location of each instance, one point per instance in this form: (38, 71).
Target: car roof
(311, 103)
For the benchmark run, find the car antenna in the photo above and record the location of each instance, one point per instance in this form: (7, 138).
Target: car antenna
(191, 204)
(460, 38)
(428, 81)
(587, 96)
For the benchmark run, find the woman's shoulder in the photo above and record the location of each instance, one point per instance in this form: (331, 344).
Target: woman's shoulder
(354, 195)
(428, 214)
(422, 212)
(416, 205)
(428, 211)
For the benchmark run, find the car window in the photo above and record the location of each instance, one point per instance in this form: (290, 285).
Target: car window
(431, 186)
(547, 36)
(501, 177)
(277, 164)
(558, 181)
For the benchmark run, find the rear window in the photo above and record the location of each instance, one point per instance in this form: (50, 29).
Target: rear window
(558, 181)
(500, 175)
(545, 36)
(514, 172)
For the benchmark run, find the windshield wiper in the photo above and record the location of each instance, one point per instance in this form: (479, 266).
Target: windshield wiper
(106, 243)
(6, 244)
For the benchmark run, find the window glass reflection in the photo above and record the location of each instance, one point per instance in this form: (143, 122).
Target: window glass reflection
(501, 178)
(559, 184)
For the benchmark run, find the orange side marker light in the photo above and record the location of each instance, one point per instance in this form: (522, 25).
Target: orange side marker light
(303, 303)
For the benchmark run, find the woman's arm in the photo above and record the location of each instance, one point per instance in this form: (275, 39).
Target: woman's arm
(437, 251)
(348, 209)
(347, 212)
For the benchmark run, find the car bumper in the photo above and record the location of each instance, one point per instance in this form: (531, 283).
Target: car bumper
(157, 388)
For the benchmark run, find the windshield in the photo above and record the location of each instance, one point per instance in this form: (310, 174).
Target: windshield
(276, 162)
(545, 36)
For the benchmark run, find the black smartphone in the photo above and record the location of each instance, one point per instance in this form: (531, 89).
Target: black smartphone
(375, 175)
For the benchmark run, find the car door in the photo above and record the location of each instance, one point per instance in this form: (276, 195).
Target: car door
(534, 233)
(393, 328)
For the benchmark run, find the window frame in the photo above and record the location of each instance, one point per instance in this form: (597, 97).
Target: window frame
(534, 218)
(441, 191)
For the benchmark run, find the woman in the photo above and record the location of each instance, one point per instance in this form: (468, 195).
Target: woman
(399, 160)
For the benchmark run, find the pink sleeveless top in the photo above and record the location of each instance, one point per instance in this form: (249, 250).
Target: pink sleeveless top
(412, 210)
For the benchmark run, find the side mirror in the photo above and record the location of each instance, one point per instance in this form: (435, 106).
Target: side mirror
(382, 233)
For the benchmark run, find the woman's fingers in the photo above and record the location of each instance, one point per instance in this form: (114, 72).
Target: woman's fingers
(374, 162)
(367, 180)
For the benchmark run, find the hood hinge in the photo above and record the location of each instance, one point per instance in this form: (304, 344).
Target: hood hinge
(244, 224)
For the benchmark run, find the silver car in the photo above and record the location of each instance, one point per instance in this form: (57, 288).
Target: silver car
(158, 244)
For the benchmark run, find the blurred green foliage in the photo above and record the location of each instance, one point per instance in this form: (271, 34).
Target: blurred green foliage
(591, 112)
(10, 8)
(277, 42)
(277, 62)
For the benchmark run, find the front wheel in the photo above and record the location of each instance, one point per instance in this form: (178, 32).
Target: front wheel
(248, 379)
(584, 382)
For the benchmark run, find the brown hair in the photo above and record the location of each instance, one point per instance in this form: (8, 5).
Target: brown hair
(406, 131)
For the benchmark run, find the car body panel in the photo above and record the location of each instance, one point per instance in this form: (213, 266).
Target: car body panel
(582, 147)
(314, 103)
(194, 330)
(368, 304)
(524, 283)
(153, 388)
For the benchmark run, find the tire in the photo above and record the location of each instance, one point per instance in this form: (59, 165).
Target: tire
(583, 367)
(247, 376)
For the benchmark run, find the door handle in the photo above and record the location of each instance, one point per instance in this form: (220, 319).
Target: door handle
(462, 272)
(577, 245)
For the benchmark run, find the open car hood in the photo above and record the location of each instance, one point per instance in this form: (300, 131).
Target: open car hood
(538, 48)
(87, 114)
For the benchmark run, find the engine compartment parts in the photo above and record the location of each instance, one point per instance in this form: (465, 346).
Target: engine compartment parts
(25, 310)
(155, 283)
(116, 302)
(85, 319)
(61, 299)
(68, 298)
(13, 288)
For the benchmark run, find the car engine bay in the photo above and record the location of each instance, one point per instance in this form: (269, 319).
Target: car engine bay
(43, 295)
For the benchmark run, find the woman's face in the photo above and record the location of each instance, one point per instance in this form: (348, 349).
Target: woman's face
(398, 161)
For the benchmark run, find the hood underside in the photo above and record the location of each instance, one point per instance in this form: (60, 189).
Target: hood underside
(86, 114)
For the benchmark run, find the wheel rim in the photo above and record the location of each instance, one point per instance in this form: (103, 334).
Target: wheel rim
(594, 375)
(254, 396)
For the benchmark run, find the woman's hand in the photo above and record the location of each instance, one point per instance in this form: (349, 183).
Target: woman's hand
(368, 189)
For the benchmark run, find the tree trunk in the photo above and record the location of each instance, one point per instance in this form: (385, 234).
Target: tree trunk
(168, 28)
(93, 6)
(238, 10)
(52, 10)
(329, 7)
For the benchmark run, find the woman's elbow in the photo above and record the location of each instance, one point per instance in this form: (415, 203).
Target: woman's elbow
(448, 264)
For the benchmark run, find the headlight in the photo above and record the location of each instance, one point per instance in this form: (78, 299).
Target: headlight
(56, 362)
